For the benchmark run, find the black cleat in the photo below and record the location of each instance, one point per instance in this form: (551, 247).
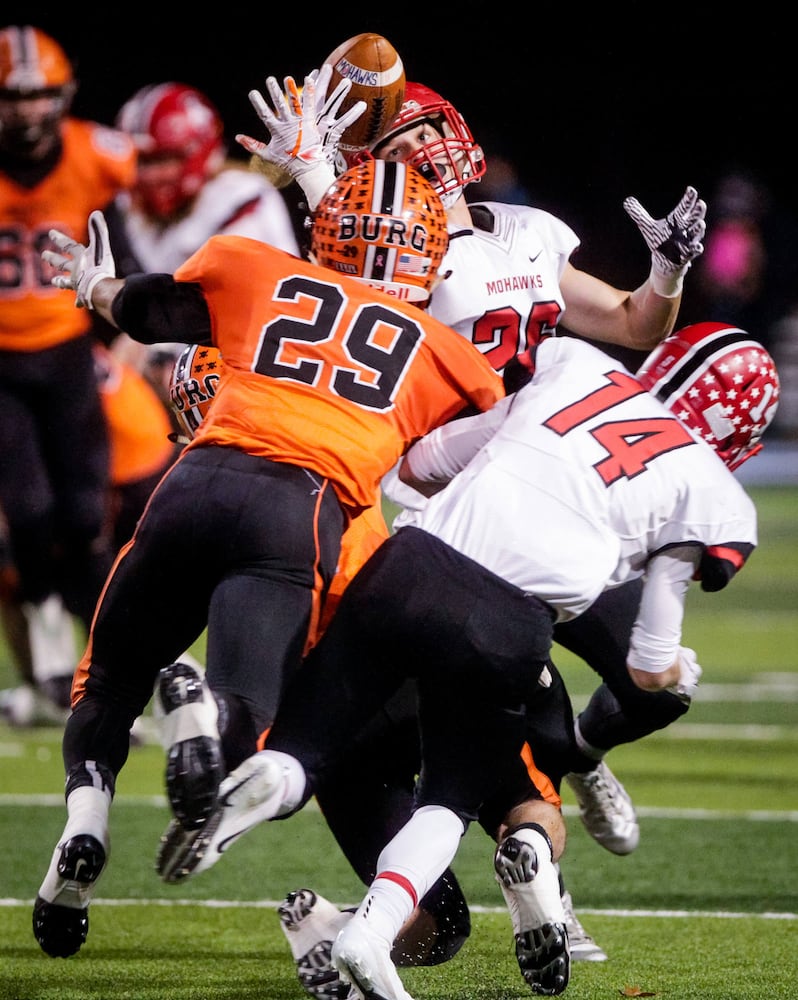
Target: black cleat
(61, 929)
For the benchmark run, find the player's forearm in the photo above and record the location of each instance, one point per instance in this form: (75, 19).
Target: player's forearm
(650, 316)
(102, 298)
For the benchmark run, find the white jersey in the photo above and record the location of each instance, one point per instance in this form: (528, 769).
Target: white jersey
(577, 481)
(501, 292)
(236, 202)
(502, 286)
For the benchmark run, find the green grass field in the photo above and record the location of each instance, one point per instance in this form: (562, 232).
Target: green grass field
(705, 909)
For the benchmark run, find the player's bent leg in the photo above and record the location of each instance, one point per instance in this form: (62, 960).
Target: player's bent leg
(187, 713)
(531, 888)
(605, 808)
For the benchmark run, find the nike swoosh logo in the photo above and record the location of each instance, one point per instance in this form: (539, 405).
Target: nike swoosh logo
(225, 799)
(222, 846)
(533, 259)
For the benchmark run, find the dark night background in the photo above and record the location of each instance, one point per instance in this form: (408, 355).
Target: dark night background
(593, 103)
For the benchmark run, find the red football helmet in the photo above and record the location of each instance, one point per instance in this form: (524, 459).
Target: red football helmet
(383, 224)
(720, 382)
(176, 126)
(36, 89)
(192, 389)
(450, 160)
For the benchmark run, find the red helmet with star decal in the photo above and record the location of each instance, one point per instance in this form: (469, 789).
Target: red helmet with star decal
(720, 382)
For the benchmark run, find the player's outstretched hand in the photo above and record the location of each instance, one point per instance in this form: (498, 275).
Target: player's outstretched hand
(330, 126)
(674, 241)
(83, 266)
(304, 130)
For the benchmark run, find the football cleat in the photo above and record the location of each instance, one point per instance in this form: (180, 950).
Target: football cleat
(310, 924)
(363, 959)
(583, 947)
(531, 890)
(188, 715)
(61, 923)
(605, 808)
(249, 795)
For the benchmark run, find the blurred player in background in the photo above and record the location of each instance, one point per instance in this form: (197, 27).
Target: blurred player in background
(54, 447)
(186, 190)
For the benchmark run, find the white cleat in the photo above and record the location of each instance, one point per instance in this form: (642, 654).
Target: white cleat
(363, 959)
(311, 923)
(583, 947)
(249, 795)
(606, 811)
(531, 889)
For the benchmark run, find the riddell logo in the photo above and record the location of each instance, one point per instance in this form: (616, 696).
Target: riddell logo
(397, 291)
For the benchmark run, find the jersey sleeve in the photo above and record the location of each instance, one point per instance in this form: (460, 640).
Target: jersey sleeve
(154, 308)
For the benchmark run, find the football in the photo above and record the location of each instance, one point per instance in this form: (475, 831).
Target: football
(378, 78)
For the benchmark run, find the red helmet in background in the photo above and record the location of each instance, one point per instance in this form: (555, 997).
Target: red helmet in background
(176, 124)
(383, 224)
(37, 85)
(448, 163)
(720, 382)
(192, 389)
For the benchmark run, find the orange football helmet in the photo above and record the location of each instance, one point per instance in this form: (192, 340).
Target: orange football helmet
(37, 85)
(383, 224)
(720, 382)
(449, 161)
(192, 388)
(32, 61)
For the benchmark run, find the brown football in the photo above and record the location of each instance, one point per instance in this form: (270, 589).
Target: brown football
(378, 78)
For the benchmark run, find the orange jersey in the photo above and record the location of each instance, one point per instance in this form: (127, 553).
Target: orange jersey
(138, 423)
(96, 163)
(365, 534)
(324, 372)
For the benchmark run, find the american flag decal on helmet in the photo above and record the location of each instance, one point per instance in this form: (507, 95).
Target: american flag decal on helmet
(409, 264)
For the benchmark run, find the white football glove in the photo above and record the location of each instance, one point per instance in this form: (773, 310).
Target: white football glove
(674, 241)
(690, 674)
(297, 144)
(84, 266)
(331, 128)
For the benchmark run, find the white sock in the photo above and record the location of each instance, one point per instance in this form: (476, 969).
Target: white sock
(408, 865)
(88, 809)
